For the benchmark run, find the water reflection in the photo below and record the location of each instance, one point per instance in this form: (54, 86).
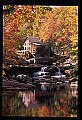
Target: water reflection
(28, 98)
(58, 103)
(74, 92)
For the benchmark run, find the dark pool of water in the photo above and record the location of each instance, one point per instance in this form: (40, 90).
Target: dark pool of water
(34, 103)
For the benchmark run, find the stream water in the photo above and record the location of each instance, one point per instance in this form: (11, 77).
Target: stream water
(41, 103)
(33, 103)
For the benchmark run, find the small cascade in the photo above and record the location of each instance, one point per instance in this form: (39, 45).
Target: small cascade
(42, 73)
(58, 74)
(44, 69)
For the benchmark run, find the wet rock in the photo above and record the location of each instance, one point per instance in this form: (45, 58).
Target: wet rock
(68, 73)
(23, 78)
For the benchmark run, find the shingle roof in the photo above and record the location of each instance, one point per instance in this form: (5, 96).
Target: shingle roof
(33, 39)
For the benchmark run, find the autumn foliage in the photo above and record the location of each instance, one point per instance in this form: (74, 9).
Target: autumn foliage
(44, 111)
(58, 25)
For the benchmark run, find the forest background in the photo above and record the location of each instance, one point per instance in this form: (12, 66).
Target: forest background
(58, 26)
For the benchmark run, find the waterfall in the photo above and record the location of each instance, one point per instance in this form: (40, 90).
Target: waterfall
(42, 73)
(43, 69)
(58, 72)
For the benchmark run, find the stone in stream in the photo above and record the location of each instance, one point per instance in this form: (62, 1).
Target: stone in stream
(24, 78)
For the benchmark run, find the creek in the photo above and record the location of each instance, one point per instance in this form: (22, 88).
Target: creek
(45, 101)
(33, 103)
